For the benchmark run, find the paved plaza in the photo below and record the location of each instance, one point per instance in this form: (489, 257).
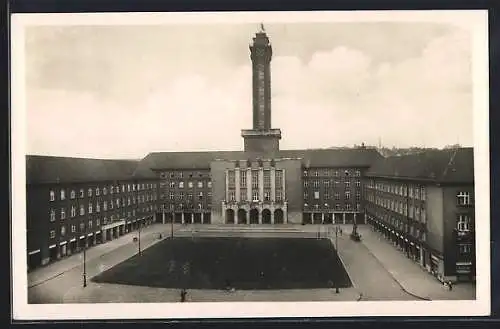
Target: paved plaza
(377, 270)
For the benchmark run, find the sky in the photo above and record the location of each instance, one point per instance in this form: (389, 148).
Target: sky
(124, 91)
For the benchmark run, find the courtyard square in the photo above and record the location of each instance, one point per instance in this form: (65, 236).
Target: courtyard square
(239, 263)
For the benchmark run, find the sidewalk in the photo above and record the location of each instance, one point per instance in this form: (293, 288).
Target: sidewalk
(63, 265)
(410, 275)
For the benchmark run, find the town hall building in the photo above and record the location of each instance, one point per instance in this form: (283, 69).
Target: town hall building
(91, 201)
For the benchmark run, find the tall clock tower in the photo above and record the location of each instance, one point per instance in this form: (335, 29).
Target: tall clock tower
(261, 138)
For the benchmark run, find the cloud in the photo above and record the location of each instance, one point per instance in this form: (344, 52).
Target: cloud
(339, 96)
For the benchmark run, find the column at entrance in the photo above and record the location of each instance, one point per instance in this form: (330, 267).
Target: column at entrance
(260, 215)
(163, 220)
(323, 218)
(333, 218)
(203, 217)
(249, 184)
(261, 184)
(273, 184)
(182, 218)
(272, 216)
(237, 184)
(343, 218)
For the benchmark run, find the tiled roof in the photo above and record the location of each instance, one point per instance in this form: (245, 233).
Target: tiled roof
(446, 166)
(310, 157)
(51, 169)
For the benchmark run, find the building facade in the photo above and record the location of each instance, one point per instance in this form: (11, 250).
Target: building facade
(427, 210)
(76, 203)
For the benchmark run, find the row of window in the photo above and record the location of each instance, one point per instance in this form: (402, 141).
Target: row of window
(97, 190)
(190, 184)
(180, 196)
(180, 174)
(417, 192)
(278, 179)
(414, 212)
(278, 195)
(332, 172)
(105, 206)
(91, 222)
(327, 195)
(338, 206)
(327, 183)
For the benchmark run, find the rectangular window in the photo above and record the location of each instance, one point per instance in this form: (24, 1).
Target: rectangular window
(181, 184)
(200, 195)
(267, 178)
(315, 183)
(73, 228)
(347, 184)
(90, 208)
(255, 179)
(358, 196)
(358, 183)
(463, 198)
(90, 224)
(52, 196)
(337, 196)
(231, 178)
(347, 195)
(327, 183)
(209, 184)
(348, 206)
(190, 184)
(82, 193)
(63, 213)
(279, 178)
(243, 195)
(200, 184)
(463, 223)
(306, 184)
(306, 195)
(82, 210)
(181, 195)
(357, 173)
(63, 195)
(327, 195)
(52, 215)
(278, 195)
(243, 178)
(52, 234)
(267, 195)
(255, 195)
(89, 192)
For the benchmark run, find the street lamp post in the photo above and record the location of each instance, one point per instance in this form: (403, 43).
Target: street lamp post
(139, 231)
(85, 263)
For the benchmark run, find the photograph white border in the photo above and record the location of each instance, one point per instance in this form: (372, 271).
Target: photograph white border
(475, 21)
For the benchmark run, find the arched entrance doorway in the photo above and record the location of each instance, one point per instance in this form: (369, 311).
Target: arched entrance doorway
(254, 216)
(229, 216)
(266, 216)
(242, 216)
(306, 218)
(278, 216)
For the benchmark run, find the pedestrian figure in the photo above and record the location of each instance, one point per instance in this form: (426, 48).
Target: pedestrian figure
(450, 286)
(340, 231)
(183, 295)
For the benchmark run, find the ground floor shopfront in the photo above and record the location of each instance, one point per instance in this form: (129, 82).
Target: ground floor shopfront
(56, 251)
(430, 260)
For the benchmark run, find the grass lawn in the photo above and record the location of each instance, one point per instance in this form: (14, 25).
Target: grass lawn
(242, 263)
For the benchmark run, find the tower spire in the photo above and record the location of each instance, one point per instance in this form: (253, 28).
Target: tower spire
(262, 29)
